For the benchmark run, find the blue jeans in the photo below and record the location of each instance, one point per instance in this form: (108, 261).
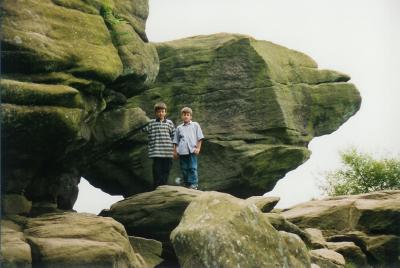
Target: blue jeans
(188, 165)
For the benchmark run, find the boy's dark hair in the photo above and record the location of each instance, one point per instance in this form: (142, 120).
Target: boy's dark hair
(159, 106)
(186, 110)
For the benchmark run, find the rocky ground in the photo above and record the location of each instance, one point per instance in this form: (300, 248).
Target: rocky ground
(178, 227)
(79, 79)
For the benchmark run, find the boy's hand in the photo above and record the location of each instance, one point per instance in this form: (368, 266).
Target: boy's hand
(196, 151)
(176, 155)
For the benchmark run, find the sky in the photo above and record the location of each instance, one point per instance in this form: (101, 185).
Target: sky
(358, 37)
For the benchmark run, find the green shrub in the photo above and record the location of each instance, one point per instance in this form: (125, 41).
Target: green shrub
(362, 174)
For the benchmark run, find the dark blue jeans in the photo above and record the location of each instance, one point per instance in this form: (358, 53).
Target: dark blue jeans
(188, 165)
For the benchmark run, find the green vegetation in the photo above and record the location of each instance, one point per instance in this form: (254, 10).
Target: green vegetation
(108, 14)
(362, 174)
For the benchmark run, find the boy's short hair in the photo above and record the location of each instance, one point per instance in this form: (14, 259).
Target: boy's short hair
(159, 106)
(186, 110)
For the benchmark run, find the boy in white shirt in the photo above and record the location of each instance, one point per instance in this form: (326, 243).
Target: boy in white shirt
(187, 144)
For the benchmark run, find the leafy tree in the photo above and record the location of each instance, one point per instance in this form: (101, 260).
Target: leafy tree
(362, 174)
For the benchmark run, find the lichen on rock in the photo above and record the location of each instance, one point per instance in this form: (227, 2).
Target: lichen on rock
(259, 105)
(210, 235)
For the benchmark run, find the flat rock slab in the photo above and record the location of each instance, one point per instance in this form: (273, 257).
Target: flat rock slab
(68, 240)
(377, 212)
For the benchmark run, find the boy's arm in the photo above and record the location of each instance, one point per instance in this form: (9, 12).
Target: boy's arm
(172, 131)
(146, 128)
(200, 137)
(198, 147)
(175, 142)
(176, 156)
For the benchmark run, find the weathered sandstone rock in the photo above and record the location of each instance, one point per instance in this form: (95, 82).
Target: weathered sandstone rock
(58, 61)
(297, 256)
(98, 40)
(66, 240)
(370, 221)
(149, 249)
(15, 204)
(219, 230)
(78, 240)
(351, 253)
(264, 203)
(15, 251)
(316, 237)
(327, 258)
(381, 250)
(377, 212)
(282, 224)
(79, 74)
(153, 214)
(259, 105)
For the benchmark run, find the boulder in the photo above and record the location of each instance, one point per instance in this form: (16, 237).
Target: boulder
(153, 214)
(259, 104)
(79, 240)
(219, 230)
(351, 253)
(384, 249)
(327, 258)
(40, 208)
(149, 249)
(376, 213)
(281, 224)
(264, 203)
(380, 250)
(88, 39)
(370, 221)
(113, 132)
(316, 237)
(297, 256)
(15, 204)
(15, 250)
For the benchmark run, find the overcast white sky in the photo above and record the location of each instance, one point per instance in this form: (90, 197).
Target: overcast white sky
(357, 37)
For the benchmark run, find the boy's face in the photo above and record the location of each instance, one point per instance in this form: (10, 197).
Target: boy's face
(186, 117)
(160, 114)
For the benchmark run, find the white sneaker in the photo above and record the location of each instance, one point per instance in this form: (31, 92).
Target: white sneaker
(178, 181)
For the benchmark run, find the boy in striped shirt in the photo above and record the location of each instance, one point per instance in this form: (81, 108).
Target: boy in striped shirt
(160, 134)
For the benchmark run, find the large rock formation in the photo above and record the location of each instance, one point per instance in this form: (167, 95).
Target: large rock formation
(80, 76)
(79, 79)
(59, 113)
(206, 229)
(259, 105)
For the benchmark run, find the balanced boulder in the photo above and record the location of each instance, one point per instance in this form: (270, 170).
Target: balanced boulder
(219, 230)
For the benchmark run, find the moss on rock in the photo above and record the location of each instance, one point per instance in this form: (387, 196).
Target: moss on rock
(39, 94)
(44, 37)
(259, 105)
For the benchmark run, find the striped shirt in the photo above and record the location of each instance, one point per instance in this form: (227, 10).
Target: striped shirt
(160, 135)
